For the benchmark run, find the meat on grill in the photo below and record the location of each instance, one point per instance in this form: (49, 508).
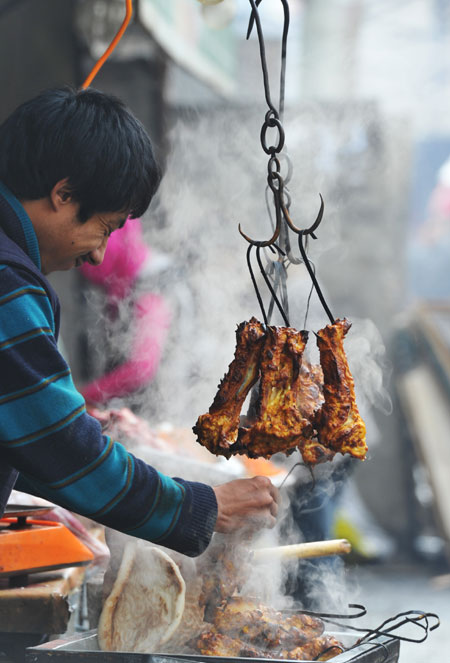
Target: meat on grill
(339, 424)
(218, 644)
(299, 405)
(279, 424)
(218, 429)
(249, 620)
(224, 568)
(322, 648)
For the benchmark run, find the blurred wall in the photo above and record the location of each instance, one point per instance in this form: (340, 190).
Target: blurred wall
(37, 49)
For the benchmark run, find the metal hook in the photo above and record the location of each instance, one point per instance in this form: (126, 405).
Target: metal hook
(266, 279)
(254, 17)
(270, 287)
(273, 239)
(311, 229)
(314, 279)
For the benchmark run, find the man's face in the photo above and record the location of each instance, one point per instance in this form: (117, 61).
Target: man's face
(69, 243)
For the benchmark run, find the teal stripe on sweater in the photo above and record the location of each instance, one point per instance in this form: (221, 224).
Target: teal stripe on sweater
(18, 292)
(87, 469)
(119, 497)
(30, 418)
(164, 513)
(38, 435)
(14, 395)
(102, 486)
(24, 313)
(21, 338)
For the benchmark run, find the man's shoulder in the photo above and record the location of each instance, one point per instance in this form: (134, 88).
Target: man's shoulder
(14, 277)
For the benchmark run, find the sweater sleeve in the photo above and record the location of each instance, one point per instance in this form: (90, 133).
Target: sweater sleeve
(60, 451)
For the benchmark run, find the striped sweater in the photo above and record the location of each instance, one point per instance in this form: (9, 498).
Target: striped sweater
(49, 445)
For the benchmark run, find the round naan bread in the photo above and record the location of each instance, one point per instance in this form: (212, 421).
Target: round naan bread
(146, 602)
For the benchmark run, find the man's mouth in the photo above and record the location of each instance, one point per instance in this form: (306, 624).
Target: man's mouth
(80, 261)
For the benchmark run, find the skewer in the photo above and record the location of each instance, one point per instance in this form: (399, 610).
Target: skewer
(304, 550)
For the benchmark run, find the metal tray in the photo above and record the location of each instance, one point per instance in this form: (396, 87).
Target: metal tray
(22, 510)
(83, 648)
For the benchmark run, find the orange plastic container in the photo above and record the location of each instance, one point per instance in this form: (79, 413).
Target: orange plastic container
(38, 545)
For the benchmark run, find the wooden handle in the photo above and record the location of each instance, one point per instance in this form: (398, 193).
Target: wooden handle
(304, 550)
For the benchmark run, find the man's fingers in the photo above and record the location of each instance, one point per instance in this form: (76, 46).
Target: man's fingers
(253, 501)
(274, 492)
(274, 509)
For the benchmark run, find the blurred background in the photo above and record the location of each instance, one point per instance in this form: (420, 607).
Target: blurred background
(367, 124)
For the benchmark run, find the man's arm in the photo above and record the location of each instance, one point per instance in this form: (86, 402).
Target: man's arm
(60, 451)
(46, 434)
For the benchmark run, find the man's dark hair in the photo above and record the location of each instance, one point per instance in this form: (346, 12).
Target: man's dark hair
(87, 136)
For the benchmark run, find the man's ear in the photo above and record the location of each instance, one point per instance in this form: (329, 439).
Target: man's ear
(61, 194)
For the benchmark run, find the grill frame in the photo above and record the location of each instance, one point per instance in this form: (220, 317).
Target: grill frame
(83, 648)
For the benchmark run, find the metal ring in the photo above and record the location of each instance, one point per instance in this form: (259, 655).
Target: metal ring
(273, 165)
(271, 122)
(271, 179)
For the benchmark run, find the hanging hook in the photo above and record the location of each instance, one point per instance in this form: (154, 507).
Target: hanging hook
(277, 230)
(270, 287)
(314, 279)
(311, 229)
(254, 17)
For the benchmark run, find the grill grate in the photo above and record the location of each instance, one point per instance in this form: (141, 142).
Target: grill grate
(83, 648)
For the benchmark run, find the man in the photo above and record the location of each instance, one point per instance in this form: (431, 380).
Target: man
(73, 166)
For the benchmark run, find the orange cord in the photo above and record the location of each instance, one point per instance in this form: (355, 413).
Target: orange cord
(99, 64)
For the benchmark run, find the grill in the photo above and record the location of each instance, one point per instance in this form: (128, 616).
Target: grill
(83, 648)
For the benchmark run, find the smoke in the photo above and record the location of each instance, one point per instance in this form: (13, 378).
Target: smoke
(366, 351)
(215, 179)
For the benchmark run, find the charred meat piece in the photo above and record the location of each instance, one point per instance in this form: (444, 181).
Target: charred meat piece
(310, 626)
(313, 452)
(310, 400)
(320, 649)
(310, 393)
(218, 429)
(339, 424)
(298, 405)
(279, 424)
(246, 619)
(224, 568)
(218, 644)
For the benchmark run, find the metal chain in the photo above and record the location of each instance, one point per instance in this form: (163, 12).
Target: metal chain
(275, 273)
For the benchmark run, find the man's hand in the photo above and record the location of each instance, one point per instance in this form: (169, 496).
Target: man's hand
(246, 502)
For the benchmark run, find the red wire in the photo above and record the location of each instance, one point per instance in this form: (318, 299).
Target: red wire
(101, 61)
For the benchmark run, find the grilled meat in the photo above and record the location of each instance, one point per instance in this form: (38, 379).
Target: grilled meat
(224, 568)
(310, 393)
(279, 424)
(218, 644)
(310, 626)
(320, 649)
(246, 619)
(299, 405)
(339, 424)
(310, 400)
(218, 429)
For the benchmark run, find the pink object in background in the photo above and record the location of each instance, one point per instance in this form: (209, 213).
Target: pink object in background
(125, 255)
(151, 322)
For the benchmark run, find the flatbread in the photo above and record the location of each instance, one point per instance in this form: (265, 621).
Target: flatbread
(146, 602)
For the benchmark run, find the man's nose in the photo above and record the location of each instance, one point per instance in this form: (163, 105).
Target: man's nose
(96, 256)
